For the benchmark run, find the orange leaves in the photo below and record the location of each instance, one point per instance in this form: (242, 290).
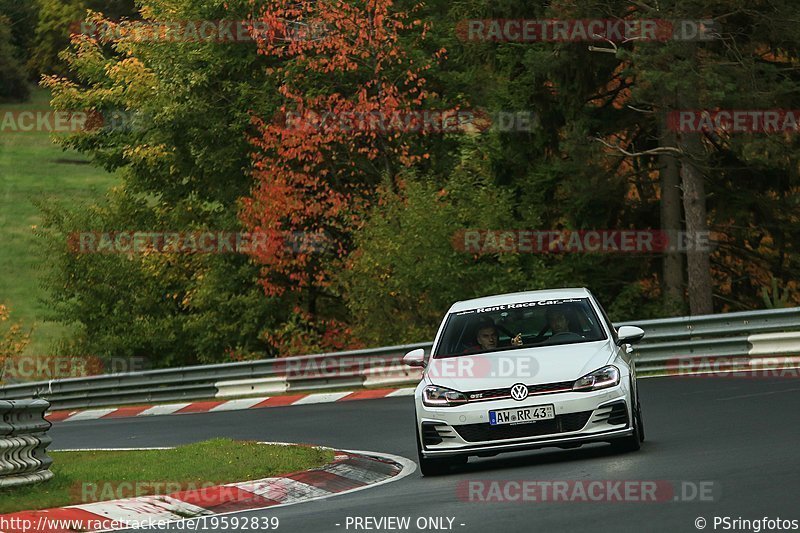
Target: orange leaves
(304, 334)
(13, 340)
(321, 157)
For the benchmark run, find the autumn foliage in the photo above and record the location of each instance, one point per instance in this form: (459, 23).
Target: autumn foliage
(301, 130)
(315, 167)
(13, 339)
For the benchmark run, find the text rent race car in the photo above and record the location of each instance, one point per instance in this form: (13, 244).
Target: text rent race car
(524, 371)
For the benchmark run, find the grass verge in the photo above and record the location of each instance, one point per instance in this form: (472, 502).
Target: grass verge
(32, 167)
(81, 476)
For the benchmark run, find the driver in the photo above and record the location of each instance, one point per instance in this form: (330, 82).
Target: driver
(557, 321)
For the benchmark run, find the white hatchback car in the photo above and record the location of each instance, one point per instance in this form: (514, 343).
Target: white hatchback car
(524, 371)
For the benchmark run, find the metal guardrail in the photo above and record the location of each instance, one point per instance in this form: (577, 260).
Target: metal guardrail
(743, 334)
(340, 369)
(667, 341)
(23, 443)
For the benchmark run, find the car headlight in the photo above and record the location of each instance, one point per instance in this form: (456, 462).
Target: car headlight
(434, 396)
(608, 376)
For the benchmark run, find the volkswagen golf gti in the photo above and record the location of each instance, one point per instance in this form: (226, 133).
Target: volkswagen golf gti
(524, 371)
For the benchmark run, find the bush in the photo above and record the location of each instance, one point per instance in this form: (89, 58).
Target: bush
(407, 270)
(13, 340)
(170, 309)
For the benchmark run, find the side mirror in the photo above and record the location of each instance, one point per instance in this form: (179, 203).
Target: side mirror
(415, 357)
(629, 334)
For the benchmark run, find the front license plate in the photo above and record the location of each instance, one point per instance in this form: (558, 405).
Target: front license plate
(522, 415)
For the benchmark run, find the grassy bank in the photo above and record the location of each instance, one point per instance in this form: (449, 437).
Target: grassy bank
(32, 167)
(82, 477)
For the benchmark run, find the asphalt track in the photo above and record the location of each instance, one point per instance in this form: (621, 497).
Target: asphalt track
(741, 433)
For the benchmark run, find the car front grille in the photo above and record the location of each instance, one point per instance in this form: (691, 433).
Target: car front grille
(559, 424)
(496, 394)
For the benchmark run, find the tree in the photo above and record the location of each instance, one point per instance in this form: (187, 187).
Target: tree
(57, 20)
(346, 96)
(559, 177)
(409, 266)
(721, 173)
(13, 83)
(181, 151)
(22, 18)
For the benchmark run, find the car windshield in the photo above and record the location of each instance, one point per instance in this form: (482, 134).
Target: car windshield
(519, 325)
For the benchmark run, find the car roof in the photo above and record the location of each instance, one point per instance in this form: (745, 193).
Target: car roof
(520, 297)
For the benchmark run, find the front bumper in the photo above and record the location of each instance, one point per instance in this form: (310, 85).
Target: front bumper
(581, 417)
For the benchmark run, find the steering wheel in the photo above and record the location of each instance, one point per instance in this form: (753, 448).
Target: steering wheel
(540, 336)
(564, 334)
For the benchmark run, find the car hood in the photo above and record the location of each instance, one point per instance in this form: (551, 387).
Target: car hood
(531, 366)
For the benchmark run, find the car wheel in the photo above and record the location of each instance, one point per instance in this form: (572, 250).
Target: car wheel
(639, 418)
(439, 466)
(634, 441)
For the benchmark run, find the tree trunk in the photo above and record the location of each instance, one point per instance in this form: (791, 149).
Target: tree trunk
(672, 282)
(694, 207)
(698, 261)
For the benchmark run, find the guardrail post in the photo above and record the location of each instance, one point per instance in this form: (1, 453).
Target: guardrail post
(23, 443)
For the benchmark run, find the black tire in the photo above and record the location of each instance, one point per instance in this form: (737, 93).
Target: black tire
(436, 467)
(634, 441)
(639, 418)
(627, 444)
